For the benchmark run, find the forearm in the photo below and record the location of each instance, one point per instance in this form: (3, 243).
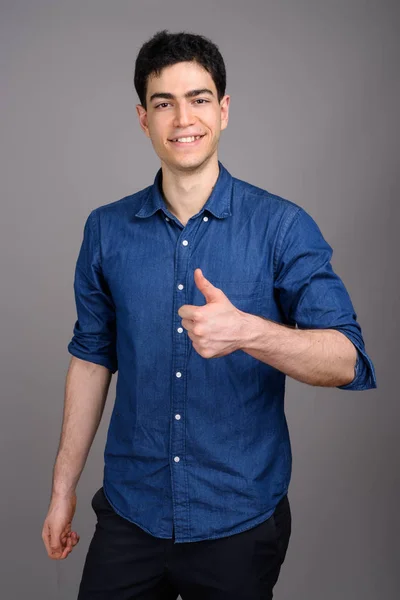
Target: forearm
(323, 357)
(86, 391)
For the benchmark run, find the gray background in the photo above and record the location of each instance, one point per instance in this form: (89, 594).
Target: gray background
(314, 118)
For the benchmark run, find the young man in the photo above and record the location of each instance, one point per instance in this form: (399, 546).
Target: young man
(204, 292)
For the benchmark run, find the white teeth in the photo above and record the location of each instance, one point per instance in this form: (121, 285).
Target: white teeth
(187, 139)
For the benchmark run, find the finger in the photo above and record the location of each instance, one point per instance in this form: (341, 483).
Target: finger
(53, 548)
(67, 549)
(56, 551)
(194, 337)
(56, 555)
(199, 273)
(189, 311)
(209, 291)
(56, 546)
(75, 538)
(65, 553)
(187, 324)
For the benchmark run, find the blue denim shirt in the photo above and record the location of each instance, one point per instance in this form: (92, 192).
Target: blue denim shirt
(200, 447)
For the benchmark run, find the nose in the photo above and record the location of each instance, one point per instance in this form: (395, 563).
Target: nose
(183, 115)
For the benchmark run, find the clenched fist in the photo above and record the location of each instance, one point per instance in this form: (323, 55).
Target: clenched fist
(215, 328)
(56, 534)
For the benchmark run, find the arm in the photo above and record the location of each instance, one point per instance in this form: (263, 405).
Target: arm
(323, 357)
(326, 348)
(86, 391)
(313, 297)
(93, 347)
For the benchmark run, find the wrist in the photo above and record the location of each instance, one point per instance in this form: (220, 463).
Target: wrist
(251, 329)
(60, 492)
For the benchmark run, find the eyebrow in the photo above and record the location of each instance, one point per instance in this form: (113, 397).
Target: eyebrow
(190, 94)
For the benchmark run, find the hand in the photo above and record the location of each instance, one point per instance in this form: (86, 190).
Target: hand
(215, 328)
(56, 533)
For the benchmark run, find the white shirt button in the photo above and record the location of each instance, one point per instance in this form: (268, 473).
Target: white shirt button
(167, 218)
(180, 330)
(205, 218)
(176, 458)
(177, 417)
(185, 243)
(180, 287)
(178, 374)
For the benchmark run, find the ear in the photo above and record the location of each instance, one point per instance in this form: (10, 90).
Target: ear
(224, 105)
(142, 115)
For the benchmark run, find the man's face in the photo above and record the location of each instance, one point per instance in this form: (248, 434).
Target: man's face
(182, 102)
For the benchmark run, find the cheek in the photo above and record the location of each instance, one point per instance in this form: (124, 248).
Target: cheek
(158, 130)
(214, 123)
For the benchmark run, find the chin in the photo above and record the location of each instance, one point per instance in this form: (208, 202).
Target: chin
(190, 162)
(190, 165)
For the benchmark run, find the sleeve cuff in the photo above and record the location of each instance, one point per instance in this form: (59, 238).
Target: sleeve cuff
(364, 372)
(94, 358)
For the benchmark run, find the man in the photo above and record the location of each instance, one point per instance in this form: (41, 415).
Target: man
(204, 292)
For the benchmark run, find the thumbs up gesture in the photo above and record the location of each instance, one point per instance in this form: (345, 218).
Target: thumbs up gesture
(215, 328)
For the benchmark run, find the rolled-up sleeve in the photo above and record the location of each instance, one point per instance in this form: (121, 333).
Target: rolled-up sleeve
(94, 333)
(311, 294)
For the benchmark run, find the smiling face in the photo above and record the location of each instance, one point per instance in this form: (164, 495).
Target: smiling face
(182, 104)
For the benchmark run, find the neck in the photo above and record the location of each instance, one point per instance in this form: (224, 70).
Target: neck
(185, 193)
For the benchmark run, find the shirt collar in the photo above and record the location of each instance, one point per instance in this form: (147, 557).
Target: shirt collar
(218, 203)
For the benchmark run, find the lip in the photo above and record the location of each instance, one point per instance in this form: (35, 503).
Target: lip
(187, 144)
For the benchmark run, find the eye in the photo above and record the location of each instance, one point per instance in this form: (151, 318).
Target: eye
(202, 100)
(162, 104)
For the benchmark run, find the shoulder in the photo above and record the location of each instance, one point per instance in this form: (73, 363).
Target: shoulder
(124, 207)
(274, 204)
(285, 218)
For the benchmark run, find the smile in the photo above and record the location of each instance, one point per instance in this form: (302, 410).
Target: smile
(187, 140)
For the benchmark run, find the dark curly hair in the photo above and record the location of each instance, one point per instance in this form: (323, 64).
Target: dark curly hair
(165, 49)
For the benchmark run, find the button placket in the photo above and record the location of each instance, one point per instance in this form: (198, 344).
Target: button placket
(180, 492)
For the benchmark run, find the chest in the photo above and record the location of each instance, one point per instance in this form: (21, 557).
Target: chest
(150, 265)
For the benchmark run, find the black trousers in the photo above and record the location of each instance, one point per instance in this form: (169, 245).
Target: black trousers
(126, 563)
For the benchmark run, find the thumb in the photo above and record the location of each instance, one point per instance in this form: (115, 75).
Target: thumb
(209, 291)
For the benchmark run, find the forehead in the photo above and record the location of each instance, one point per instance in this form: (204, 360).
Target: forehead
(180, 78)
